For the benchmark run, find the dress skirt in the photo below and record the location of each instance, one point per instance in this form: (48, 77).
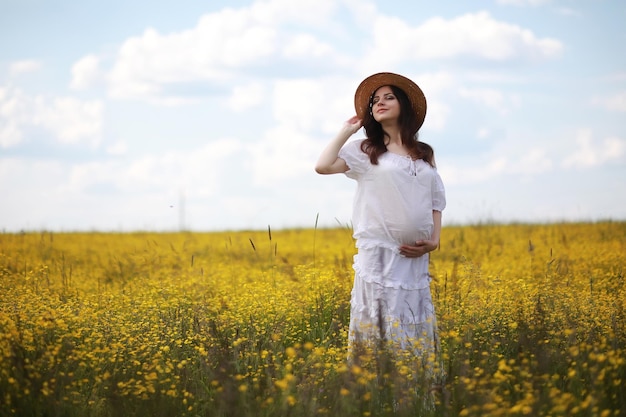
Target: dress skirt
(391, 300)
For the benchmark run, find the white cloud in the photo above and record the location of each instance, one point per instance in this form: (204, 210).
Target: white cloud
(24, 66)
(297, 103)
(436, 115)
(11, 116)
(457, 174)
(85, 72)
(616, 76)
(223, 45)
(31, 185)
(434, 86)
(68, 119)
(301, 108)
(364, 12)
(523, 2)
(313, 104)
(220, 45)
(534, 161)
(483, 133)
(117, 149)
(284, 152)
(145, 192)
(528, 156)
(246, 96)
(491, 98)
(497, 163)
(198, 170)
(308, 12)
(616, 102)
(566, 11)
(475, 35)
(306, 46)
(525, 156)
(10, 134)
(591, 152)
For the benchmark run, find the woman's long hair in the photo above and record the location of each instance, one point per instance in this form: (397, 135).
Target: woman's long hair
(374, 146)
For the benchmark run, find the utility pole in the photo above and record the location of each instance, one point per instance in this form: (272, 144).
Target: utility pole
(181, 211)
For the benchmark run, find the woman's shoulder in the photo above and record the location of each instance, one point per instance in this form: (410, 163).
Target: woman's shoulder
(357, 160)
(355, 142)
(354, 146)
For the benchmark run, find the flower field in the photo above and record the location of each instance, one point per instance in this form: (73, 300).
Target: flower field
(532, 322)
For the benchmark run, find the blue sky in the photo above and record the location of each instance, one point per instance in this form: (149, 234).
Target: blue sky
(210, 115)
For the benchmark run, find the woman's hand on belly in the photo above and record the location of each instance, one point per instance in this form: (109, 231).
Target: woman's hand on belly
(420, 248)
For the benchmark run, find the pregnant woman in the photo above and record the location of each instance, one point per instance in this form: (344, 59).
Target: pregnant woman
(396, 214)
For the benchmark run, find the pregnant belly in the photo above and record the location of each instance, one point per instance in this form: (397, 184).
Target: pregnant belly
(409, 233)
(409, 237)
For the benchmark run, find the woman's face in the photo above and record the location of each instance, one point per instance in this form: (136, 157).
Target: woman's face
(385, 105)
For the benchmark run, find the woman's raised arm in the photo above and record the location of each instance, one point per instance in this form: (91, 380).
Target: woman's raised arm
(329, 161)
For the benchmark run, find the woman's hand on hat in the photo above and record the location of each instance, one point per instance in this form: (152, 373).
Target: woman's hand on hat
(353, 124)
(420, 248)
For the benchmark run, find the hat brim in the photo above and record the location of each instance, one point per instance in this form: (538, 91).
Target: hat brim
(372, 83)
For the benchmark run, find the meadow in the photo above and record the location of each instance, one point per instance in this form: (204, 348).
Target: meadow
(531, 320)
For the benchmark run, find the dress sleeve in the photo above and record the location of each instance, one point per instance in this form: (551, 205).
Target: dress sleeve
(358, 161)
(438, 193)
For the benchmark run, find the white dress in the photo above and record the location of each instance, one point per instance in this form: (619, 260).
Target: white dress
(393, 205)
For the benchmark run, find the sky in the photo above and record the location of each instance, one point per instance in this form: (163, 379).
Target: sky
(210, 115)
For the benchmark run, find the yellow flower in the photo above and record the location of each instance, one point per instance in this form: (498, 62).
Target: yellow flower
(291, 352)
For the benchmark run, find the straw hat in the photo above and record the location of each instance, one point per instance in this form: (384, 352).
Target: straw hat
(372, 83)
